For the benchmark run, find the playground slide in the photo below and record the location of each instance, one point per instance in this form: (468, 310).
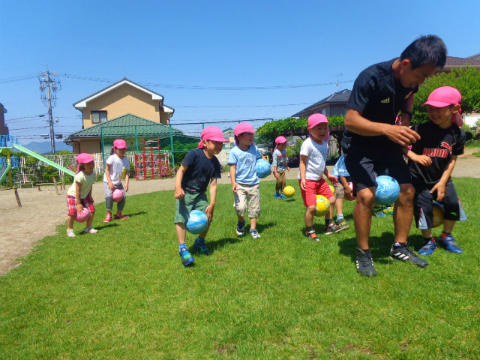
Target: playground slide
(4, 172)
(43, 159)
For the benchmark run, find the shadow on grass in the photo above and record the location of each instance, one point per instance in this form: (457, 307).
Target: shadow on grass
(214, 245)
(106, 226)
(379, 245)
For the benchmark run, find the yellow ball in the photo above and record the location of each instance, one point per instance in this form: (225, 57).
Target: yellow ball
(437, 214)
(289, 191)
(332, 188)
(323, 205)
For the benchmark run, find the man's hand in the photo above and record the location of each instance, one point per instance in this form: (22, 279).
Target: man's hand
(402, 135)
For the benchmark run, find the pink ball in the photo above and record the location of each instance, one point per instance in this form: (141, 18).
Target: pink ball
(350, 184)
(117, 195)
(82, 216)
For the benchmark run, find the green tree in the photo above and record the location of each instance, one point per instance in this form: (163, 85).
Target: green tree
(466, 80)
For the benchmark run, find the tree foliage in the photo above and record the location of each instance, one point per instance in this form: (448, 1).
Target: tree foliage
(466, 80)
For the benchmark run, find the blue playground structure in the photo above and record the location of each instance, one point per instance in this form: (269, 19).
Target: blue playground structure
(9, 142)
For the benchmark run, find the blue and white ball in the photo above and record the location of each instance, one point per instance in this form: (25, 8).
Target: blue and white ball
(197, 222)
(387, 191)
(263, 168)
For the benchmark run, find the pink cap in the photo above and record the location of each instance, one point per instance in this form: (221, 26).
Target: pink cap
(83, 158)
(446, 96)
(120, 144)
(315, 119)
(212, 133)
(242, 128)
(280, 140)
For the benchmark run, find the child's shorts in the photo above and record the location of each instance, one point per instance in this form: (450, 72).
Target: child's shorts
(423, 205)
(314, 188)
(339, 190)
(247, 196)
(191, 201)
(71, 203)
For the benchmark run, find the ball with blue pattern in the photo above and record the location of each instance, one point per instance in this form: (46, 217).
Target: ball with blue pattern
(197, 222)
(263, 168)
(387, 191)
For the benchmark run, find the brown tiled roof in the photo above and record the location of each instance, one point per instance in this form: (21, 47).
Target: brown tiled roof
(453, 61)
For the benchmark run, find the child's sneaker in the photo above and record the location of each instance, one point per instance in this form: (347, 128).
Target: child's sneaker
(449, 244)
(108, 218)
(428, 247)
(342, 225)
(186, 257)
(364, 263)
(241, 228)
(70, 233)
(331, 228)
(312, 235)
(199, 246)
(277, 196)
(388, 210)
(255, 234)
(90, 230)
(404, 253)
(283, 196)
(119, 216)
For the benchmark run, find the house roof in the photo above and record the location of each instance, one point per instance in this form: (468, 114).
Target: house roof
(476, 56)
(453, 62)
(340, 97)
(124, 126)
(155, 96)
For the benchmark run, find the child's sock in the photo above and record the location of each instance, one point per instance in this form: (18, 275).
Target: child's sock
(445, 234)
(340, 218)
(200, 240)
(328, 222)
(182, 247)
(397, 244)
(309, 228)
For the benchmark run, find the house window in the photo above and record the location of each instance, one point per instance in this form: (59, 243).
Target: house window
(99, 117)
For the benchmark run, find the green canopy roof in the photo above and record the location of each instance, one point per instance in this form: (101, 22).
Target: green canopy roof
(125, 126)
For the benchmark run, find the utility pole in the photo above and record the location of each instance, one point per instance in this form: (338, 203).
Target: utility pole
(49, 84)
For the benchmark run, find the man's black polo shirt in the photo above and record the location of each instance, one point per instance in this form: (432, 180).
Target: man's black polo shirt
(379, 98)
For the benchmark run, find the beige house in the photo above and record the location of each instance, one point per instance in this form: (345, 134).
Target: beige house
(123, 97)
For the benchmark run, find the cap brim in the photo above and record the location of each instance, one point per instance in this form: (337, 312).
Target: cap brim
(438, 104)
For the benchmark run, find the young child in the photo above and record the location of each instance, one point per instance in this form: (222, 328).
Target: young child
(117, 163)
(79, 195)
(279, 165)
(313, 155)
(199, 169)
(245, 182)
(433, 159)
(342, 190)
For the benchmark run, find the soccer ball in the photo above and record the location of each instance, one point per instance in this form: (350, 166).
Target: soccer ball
(117, 195)
(82, 216)
(387, 191)
(197, 222)
(289, 191)
(437, 214)
(322, 206)
(263, 168)
(332, 188)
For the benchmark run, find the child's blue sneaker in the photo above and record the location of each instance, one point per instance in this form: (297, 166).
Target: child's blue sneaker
(277, 196)
(428, 247)
(199, 246)
(283, 196)
(186, 257)
(255, 234)
(449, 244)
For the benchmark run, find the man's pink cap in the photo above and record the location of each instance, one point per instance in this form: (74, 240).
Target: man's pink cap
(212, 133)
(446, 96)
(280, 140)
(243, 128)
(315, 119)
(120, 144)
(83, 158)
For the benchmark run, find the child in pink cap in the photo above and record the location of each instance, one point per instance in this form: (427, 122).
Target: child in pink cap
(243, 175)
(313, 157)
(432, 160)
(116, 164)
(279, 165)
(199, 169)
(79, 195)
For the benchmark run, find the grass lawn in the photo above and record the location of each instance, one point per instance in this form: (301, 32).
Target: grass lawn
(124, 294)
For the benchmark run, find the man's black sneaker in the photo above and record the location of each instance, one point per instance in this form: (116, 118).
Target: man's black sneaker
(365, 263)
(404, 253)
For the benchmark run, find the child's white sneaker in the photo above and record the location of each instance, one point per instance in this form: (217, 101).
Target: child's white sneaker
(90, 230)
(70, 233)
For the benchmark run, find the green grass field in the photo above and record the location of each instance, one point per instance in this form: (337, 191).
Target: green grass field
(124, 294)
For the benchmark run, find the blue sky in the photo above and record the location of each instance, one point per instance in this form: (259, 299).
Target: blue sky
(177, 46)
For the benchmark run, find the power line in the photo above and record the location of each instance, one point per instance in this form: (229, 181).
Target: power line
(18, 78)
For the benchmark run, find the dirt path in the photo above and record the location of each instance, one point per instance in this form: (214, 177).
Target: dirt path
(41, 212)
